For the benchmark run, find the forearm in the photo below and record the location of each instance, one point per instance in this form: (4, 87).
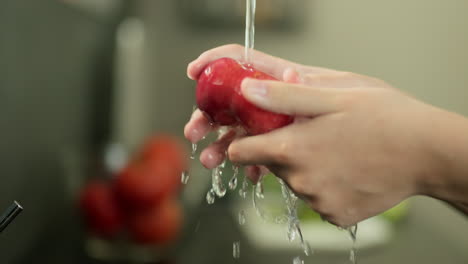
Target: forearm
(448, 143)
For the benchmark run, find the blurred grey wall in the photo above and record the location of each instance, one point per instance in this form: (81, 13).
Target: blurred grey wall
(50, 79)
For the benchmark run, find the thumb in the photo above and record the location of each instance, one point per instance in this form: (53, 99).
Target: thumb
(291, 99)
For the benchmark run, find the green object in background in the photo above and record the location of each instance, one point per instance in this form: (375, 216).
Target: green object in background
(305, 213)
(396, 213)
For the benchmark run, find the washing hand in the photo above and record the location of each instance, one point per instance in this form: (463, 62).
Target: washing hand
(357, 146)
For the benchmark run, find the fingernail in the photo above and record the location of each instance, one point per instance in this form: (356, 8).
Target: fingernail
(255, 88)
(192, 68)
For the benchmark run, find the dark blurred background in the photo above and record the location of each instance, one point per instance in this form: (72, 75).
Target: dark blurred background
(78, 74)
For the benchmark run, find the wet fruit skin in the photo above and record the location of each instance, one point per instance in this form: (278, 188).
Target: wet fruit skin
(219, 97)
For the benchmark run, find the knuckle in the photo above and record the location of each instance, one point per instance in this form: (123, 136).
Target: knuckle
(232, 47)
(319, 79)
(347, 99)
(298, 184)
(282, 154)
(345, 75)
(234, 153)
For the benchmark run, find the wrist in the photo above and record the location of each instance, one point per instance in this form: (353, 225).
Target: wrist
(446, 148)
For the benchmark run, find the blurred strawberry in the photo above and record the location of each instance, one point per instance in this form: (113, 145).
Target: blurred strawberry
(100, 209)
(157, 226)
(165, 149)
(144, 185)
(154, 175)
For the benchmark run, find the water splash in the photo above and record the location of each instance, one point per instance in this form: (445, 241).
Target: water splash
(294, 228)
(194, 150)
(210, 196)
(233, 181)
(185, 177)
(236, 249)
(304, 244)
(352, 231)
(241, 217)
(298, 260)
(243, 189)
(292, 231)
(281, 219)
(262, 214)
(194, 145)
(259, 189)
(249, 28)
(217, 182)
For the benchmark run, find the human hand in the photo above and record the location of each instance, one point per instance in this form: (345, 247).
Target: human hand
(198, 126)
(359, 147)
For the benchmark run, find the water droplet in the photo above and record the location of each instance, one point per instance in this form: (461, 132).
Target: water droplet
(233, 181)
(184, 178)
(242, 193)
(259, 190)
(353, 235)
(352, 232)
(194, 150)
(249, 28)
(304, 244)
(291, 230)
(306, 248)
(352, 256)
(210, 197)
(281, 219)
(241, 217)
(243, 189)
(217, 182)
(261, 213)
(294, 228)
(223, 165)
(236, 249)
(298, 260)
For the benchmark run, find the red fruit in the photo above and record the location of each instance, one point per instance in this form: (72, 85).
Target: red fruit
(159, 225)
(165, 149)
(100, 209)
(219, 97)
(143, 184)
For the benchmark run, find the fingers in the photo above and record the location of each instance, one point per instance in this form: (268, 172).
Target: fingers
(266, 63)
(291, 99)
(198, 127)
(267, 149)
(263, 62)
(255, 173)
(215, 153)
(342, 80)
(290, 75)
